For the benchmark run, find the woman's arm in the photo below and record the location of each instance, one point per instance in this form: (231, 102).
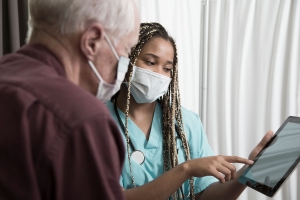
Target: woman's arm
(227, 191)
(160, 188)
(165, 185)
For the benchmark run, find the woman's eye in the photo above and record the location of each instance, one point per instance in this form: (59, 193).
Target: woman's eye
(167, 69)
(149, 63)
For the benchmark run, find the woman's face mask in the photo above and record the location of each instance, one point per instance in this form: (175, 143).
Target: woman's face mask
(147, 86)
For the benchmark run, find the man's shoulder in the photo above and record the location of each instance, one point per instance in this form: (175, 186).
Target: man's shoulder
(68, 102)
(34, 82)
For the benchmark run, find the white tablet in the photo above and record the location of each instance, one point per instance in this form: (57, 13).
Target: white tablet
(277, 160)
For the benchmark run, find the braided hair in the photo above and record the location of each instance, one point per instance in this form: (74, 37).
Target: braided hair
(170, 102)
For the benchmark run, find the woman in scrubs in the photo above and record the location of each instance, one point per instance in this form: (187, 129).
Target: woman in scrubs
(168, 155)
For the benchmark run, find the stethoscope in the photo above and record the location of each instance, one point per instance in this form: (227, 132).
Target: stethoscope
(136, 155)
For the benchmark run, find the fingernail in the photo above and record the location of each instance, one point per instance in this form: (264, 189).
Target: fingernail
(251, 161)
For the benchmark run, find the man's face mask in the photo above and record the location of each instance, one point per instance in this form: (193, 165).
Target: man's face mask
(106, 90)
(147, 86)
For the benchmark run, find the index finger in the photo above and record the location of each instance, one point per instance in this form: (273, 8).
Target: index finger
(236, 159)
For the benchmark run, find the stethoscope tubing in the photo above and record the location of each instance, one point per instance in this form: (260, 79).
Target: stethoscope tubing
(137, 155)
(130, 143)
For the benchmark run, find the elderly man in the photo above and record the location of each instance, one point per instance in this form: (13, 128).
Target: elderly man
(57, 138)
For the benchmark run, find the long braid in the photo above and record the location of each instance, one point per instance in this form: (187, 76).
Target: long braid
(126, 129)
(178, 116)
(170, 102)
(171, 122)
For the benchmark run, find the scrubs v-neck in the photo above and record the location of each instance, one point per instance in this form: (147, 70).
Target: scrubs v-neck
(152, 148)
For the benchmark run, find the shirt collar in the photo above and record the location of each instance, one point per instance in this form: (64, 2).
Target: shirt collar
(44, 55)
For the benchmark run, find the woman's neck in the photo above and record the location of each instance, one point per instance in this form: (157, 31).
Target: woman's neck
(140, 113)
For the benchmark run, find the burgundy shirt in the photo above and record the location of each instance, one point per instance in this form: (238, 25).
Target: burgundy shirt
(57, 141)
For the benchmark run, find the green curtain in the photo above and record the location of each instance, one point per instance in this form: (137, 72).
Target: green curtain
(13, 25)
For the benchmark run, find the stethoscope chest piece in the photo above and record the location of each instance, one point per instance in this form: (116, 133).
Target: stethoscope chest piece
(138, 156)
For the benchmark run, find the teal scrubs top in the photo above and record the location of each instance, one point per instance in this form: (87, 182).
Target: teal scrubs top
(152, 148)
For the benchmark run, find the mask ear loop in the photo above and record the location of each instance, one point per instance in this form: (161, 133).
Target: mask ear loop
(95, 70)
(97, 73)
(111, 46)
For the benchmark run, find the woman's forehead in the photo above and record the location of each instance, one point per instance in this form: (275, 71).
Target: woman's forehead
(158, 46)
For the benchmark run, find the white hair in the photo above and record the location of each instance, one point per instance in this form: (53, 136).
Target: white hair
(65, 17)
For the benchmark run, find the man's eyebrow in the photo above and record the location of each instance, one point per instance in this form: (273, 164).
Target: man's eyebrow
(155, 56)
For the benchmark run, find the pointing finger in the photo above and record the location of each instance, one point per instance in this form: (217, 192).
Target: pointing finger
(236, 159)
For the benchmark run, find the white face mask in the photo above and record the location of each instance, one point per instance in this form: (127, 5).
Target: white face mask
(147, 86)
(106, 90)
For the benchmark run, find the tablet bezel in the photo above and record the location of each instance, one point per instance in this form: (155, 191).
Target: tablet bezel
(260, 187)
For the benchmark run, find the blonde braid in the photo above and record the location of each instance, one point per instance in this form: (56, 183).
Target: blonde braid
(176, 106)
(184, 140)
(126, 129)
(172, 124)
(133, 58)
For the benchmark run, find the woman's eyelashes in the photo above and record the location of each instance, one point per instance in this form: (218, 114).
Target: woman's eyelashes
(149, 63)
(167, 69)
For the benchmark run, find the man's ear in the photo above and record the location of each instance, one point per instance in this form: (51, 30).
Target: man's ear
(91, 40)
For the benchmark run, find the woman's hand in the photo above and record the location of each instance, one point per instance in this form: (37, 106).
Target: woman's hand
(217, 166)
(261, 145)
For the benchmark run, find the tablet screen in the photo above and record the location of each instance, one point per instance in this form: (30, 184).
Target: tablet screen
(274, 164)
